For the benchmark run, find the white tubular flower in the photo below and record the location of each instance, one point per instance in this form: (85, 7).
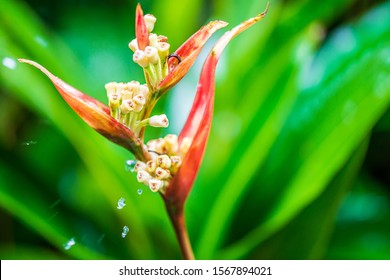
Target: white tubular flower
(119, 88)
(152, 54)
(133, 45)
(140, 58)
(143, 177)
(159, 121)
(163, 161)
(140, 165)
(185, 145)
(155, 185)
(150, 20)
(144, 90)
(162, 174)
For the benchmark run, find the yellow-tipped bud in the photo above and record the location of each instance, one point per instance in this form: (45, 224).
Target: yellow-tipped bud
(140, 58)
(150, 20)
(172, 145)
(151, 166)
(163, 49)
(162, 173)
(133, 45)
(159, 121)
(152, 54)
(163, 161)
(114, 100)
(155, 185)
(143, 177)
(185, 145)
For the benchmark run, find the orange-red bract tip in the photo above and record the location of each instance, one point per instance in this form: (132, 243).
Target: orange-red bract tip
(141, 31)
(188, 52)
(94, 113)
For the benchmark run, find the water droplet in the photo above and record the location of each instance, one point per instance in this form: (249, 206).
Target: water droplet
(121, 203)
(130, 165)
(9, 63)
(69, 244)
(140, 191)
(29, 143)
(125, 231)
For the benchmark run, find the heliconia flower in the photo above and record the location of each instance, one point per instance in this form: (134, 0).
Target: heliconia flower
(167, 165)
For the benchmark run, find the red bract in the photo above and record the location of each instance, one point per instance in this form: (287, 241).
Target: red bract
(141, 31)
(197, 126)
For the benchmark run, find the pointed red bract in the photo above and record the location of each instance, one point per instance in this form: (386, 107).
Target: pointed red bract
(95, 114)
(188, 52)
(198, 124)
(141, 31)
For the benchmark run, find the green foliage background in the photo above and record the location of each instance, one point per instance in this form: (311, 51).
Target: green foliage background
(297, 166)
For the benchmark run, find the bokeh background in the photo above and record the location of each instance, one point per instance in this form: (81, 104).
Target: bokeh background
(297, 166)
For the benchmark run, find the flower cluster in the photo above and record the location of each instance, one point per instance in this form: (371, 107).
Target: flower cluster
(166, 159)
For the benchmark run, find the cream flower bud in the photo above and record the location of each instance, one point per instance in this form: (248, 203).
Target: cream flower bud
(153, 40)
(185, 145)
(172, 143)
(157, 145)
(175, 161)
(140, 165)
(144, 90)
(151, 166)
(111, 88)
(152, 54)
(127, 95)
(133, 45)
(143, 177)
(140, 58)
(163, 161)
(133, 87)
(119, 88)
(139, 99)
(159, 121)
(162, 173)
(155, 185)
(127, 106)
(150, 20)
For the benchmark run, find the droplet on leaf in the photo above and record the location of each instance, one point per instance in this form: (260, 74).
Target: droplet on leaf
(121, 203)
(69, 244)
(125, 231)
(130, 165)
